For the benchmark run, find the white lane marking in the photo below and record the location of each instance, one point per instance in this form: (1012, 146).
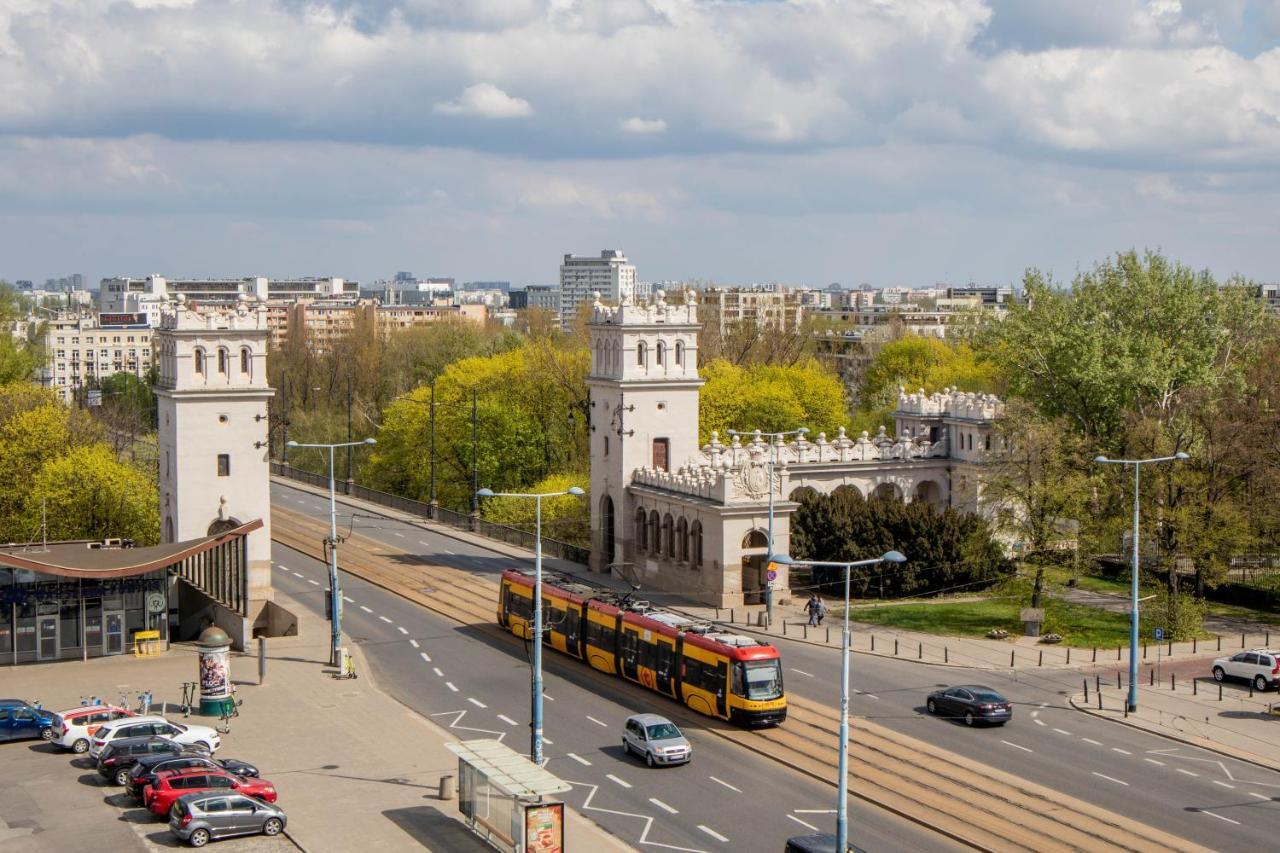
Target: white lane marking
(476, 702)
(1039, 722)
(1220, 817)
(449, 684)
(1224, 784)
(802, 823)
(624, 783)
(398, 533)
(1092, 741)
(1186, 772)
(300, 574)
(647, 819)
(385, 619)
(802, 672)
(548, 698)
(426, 657)
(365, 609)
(439, 672)
(348, 600)
(597, 722)
(1110, 778)
(726, 784)
(507, 720)
(1063, 732)
(401, 630)
(709, 831)
(313, 582)
(1034, 714)
(548, 741)
(815, 811)
(1121, 751)
(424, 544)
(666, 808)
(414, 643)
(450, 553)
(578, 758)
(457, 720)
(871, 695)
(1259, 796)
(1153, 761)
(1015, 746)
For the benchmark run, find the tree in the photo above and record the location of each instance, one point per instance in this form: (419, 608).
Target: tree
(770, 398)
(88, 494)
(1034, 479)
(566, 518)
(916, 362)
(747, 342)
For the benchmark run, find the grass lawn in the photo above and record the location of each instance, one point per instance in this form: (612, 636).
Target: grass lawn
(1079, 626)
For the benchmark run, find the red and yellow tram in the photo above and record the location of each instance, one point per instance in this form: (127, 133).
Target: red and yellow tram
(712, 671)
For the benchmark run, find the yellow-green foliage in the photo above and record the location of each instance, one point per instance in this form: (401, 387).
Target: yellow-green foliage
(567, 518)
(770, 398)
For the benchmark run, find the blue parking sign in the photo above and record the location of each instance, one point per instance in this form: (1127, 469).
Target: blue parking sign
(1159, 634)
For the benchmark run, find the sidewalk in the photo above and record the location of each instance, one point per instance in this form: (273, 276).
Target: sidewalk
(356, 770)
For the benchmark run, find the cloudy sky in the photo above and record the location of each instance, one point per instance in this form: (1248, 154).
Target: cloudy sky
(807, 141)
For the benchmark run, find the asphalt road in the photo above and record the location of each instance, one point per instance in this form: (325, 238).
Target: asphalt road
(1216, 801)
(465, 680)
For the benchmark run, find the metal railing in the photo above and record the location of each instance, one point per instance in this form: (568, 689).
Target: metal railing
(452, 518)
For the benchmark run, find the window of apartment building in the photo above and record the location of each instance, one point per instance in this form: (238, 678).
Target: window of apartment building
(61, 339)
(131, 339)
(661, 453)
(62, 354)
(116, 339)
(224, 464)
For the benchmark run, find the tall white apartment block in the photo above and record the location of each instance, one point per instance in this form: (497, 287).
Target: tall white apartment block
(610, 275)
(83, 349)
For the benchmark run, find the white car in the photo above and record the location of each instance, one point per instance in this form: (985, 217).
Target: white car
(1259, 666)
(74, 728)
(183, 733)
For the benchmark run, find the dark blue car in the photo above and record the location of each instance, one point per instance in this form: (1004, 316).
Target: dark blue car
(21, 720)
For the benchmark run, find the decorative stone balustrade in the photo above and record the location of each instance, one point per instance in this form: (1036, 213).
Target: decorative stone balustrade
(950, 403)
(655, 312)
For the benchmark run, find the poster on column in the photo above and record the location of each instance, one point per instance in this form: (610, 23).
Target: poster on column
(215, 681)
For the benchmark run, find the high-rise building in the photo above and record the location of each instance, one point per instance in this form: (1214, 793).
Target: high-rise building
(609, 274)
(83, 349)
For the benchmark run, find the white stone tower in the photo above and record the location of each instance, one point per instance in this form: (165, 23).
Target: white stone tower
(644, 406)
(212, 398)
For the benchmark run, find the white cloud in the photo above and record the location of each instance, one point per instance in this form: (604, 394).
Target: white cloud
(487, 101)
(635, 124)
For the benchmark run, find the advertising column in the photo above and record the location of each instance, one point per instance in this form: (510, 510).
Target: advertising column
(215, 671)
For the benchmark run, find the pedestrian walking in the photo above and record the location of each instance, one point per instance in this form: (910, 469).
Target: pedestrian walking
(822, 610)
(812, 607)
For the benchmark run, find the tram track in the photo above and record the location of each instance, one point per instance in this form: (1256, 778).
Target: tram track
(965, 800)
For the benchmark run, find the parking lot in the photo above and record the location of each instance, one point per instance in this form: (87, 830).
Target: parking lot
(52, 800)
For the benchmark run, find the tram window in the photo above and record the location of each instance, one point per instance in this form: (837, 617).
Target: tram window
(518, 605)
(664, 657)
(570, 628)
(738, 688)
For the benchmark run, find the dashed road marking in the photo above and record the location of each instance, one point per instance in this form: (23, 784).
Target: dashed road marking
(709, 831)
(348, 600)
(1039, 722)
(449, 684)
(597, 722)
(624, 783)
(1110, 778)
(1259, 796)
(548, 741)
(365, 609)
(871, 696)
(726, 784)
(1092, 741)
(313, 582)
(802, 823)
(578, 758)
(439, 672)
(301, 575)
(1220, 817)
(1121, 751)
(548, 698)
(1224, 784)
(1063, 732)
(1016, 746)
(666, 808)
(423, 544)
(385, 619)
(1186, 772)
(507, 720)
(414, 643)
(401, 629)
(1153, 761)
(802, 672)
(476, 702)
(426, 657)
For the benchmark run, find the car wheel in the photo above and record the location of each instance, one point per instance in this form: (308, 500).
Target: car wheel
(968, 718)
(80, 747)
(46, 733)
(932, 706)
(272, 826)
(122, 776)
(648, 758)
(1219, 674)
(199, 838)
(626, 747)
(1259, 683)
(206, 746)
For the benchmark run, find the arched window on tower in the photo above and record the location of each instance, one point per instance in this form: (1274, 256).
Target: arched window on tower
(668, 536)
(661, 354)
(655, 532)
(245, 360)
(642, 530)
(642, 354)
(682, 540)
(680, 353)
(222, 360)
(199, 362)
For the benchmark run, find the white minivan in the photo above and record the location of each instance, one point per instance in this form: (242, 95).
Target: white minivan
(183, 733)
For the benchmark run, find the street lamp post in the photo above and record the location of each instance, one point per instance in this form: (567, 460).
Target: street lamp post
(535, 725)
(335, 595)
(775, 440)
(842, 784)
(1137, 464)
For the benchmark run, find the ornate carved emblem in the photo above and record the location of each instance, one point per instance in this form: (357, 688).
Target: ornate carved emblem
(753, 479)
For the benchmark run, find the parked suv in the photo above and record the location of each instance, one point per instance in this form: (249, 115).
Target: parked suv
(1260, 666)
(146, 768)
(183, 733)
(20, 720)
(172, 784)
(656, 740)
(119, 756)
(198, 817)
(74, 729)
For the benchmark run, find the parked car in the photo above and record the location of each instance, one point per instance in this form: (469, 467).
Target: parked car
(655, 739)
(971, 702)
(172, 784)
(821, 842)
(1260, 666)
(144, 770)
(119, 756)
(184, 733)
(21, 720)
(74, 729)
(195, 818)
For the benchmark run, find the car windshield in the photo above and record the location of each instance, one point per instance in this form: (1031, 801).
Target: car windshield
(764, 679)
(662, 731)
(987, 696)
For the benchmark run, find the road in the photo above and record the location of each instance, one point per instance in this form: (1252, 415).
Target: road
(1199, 795)
(726, 799)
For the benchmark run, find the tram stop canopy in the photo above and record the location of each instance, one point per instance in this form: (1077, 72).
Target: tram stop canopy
(502, 795)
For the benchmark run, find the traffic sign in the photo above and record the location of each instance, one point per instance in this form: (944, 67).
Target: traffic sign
(1159, 634)
(773, 575)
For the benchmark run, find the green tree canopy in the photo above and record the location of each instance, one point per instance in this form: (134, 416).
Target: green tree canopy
(771, 398)
(566, 518)
(88, 494)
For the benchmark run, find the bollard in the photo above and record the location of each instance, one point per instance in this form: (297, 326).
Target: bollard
(806, 631)
(1012, 652)
(1219, 642)
(895, 647)
(1219, 691)
(873, 642)
(262, 660)
(784, 627)
(1068, 656)
(1117, 679)
(828, 636)
(1097, 683)
(717, 614)
(1194, 644)
(1242, 639)
(920, 652)
(1041, 661)
(1117, 653)
(1086, 689)
(1095, 654)
(446, 787)
(1251, 689)
(1099, 700)
(1153, 677)
(730, 615)
(1173, 685)
(1170, 648)
(1144, 651)
(1195, 687)
(1126, 709)
(946, 655)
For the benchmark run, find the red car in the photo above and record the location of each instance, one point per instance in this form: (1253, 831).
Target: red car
(171, 784)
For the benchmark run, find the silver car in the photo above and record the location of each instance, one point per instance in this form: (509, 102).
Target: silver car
(656, 739)
(200, 816)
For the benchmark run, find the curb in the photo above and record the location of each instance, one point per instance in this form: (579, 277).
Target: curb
(1076, 701)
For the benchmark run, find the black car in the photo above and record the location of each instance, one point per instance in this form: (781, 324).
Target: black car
(144, 770)
(118, 757)
(971, 702)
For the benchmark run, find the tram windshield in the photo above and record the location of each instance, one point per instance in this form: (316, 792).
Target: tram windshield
(763, 679)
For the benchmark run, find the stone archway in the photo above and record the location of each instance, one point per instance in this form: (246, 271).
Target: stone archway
(222, 525)
(929, 492)
(886, 492)
(847, 489)
(753, 567)
(801, 492)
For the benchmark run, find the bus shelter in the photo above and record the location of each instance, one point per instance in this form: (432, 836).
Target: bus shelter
(504, 798)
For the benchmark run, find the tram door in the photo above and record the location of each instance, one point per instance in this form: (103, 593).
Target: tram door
(47, 637)
(113, 643)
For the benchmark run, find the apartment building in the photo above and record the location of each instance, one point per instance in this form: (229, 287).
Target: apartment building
(326, 323)
(610, 274)
(84, 349)
(775, 308)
